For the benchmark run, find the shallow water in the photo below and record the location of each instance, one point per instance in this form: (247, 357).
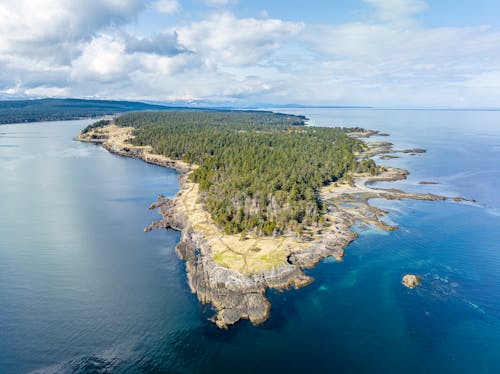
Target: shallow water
(82, 288)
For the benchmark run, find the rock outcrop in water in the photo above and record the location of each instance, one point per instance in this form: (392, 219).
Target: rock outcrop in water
(411, 280)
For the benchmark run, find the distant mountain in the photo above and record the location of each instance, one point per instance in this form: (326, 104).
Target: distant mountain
(16, 111)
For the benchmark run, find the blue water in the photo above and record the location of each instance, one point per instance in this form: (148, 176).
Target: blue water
(84, 289)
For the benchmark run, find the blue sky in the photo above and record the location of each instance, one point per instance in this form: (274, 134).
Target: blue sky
(390, 53)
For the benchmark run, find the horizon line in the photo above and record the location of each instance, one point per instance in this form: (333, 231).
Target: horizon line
(211, 105)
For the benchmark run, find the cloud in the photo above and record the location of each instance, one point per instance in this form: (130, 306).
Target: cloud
(388, 50)
(103, 59)
(53, 29)
(20, 73)
(167, 6)
(225, 39)
(81, 49)
(161, 44)
(95, 49)
(422, 66)
(397, 10)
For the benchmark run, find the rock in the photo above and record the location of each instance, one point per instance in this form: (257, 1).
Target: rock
(413, 151)
(427, 182)
(411, 280)
(363, 133)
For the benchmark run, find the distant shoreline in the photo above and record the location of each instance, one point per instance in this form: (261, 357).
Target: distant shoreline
(69, 109)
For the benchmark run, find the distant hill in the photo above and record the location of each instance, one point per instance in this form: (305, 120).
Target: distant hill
(16, 111)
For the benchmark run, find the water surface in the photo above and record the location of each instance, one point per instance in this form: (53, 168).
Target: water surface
(83, 288)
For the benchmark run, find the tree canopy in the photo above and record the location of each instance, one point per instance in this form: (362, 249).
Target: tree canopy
(258, 171)
(15, 111)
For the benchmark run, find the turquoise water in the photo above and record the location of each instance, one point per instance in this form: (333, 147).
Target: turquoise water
(84, 289)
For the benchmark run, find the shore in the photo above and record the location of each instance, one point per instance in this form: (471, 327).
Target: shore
(233, 272)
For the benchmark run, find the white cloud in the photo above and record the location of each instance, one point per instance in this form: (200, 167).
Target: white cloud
(102, 59)
(397, 10)
(46, 91)
(167, 6)
(395, 60)
(225, 39)
(85, 48)
(161, 44)
(52, 29)
(487, 79)
(403, 48)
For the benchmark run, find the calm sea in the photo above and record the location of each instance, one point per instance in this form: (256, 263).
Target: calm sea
(84, 289)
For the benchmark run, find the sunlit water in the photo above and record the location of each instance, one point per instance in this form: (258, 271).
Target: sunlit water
(84, 289)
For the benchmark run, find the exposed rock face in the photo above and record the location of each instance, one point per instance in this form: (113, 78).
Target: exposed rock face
(234, 295)
(329, 246)
(411, 280)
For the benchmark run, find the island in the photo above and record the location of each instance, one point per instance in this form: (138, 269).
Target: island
(262, 196)
(411, 281)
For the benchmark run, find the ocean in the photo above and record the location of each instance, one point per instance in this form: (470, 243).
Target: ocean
(84, 289)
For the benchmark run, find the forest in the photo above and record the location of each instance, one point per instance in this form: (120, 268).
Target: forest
(15, 111)
(259, 172)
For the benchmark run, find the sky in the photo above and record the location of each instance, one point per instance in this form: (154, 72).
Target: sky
(383, 53)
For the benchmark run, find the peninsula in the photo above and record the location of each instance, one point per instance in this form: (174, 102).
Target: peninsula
(37, 110)
(262, 197)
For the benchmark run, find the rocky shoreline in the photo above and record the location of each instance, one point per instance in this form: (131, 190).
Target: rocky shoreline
(233, 295)
(237, 294)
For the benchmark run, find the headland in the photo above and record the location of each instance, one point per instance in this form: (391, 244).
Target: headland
(233, 271)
